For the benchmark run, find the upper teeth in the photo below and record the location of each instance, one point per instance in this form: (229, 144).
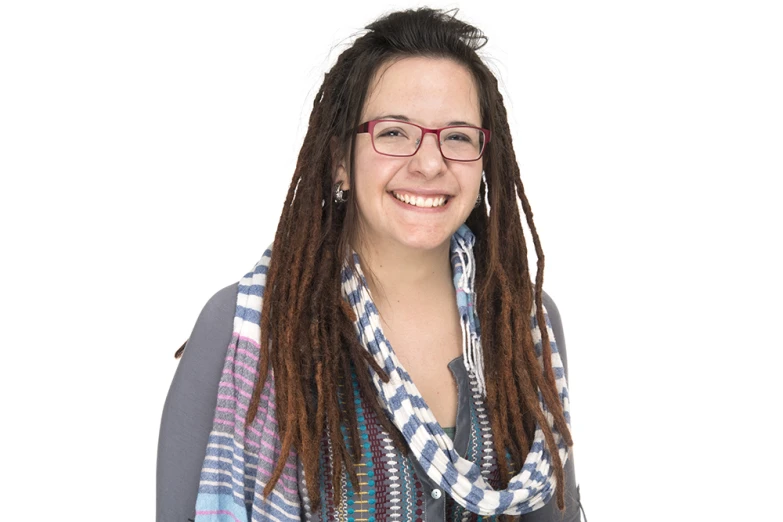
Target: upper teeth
(418, 201)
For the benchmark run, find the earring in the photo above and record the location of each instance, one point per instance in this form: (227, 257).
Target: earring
(340, 195)
(478, 199)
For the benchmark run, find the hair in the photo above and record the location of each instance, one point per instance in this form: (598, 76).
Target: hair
(309, 325)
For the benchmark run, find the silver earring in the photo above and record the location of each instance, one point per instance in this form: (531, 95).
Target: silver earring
(340, 195)
(478, 199)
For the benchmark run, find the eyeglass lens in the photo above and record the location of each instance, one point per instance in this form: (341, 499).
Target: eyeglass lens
(402, 139)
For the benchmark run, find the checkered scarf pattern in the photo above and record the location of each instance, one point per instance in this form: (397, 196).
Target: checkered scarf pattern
(534, 485)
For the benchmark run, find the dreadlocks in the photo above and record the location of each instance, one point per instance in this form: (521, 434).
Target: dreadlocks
(308, 324)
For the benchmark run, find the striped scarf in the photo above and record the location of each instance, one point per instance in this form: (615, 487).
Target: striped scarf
(240, 459)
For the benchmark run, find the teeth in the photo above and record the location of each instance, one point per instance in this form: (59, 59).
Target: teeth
(418, 201)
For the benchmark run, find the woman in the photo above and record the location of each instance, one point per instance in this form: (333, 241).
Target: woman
(401, 229)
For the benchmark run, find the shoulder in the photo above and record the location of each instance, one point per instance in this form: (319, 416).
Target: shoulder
(219, 309)
(216, 320)
(551, 309)
(557, 328)
(221, 304)
(214, 325)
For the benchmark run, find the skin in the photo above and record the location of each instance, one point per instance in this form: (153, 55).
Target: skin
(406, 248)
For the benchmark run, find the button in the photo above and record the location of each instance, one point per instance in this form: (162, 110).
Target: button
(436, 494)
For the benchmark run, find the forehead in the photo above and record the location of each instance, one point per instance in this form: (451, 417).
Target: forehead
(428, 91)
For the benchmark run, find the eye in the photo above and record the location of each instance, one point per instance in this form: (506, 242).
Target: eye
(459, 137)
(391, 133)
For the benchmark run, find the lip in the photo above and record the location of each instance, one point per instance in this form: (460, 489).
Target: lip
(425, 193)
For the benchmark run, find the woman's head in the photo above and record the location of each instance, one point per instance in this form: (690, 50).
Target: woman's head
(408, 63)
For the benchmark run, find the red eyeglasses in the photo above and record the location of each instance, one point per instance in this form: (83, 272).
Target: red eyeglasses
(402, 139)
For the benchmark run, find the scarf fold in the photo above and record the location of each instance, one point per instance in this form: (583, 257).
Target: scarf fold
(239, 459)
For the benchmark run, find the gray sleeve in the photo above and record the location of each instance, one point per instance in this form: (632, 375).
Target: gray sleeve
(550, 513)
(190, 408)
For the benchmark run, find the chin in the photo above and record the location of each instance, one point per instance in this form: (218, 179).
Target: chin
(425, 239)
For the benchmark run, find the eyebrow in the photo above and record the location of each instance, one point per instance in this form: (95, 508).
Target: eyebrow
(402, 117)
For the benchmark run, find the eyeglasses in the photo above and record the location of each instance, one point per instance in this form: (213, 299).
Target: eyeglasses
(402, 139)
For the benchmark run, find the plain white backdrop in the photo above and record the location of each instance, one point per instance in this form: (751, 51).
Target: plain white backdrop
(146, 150)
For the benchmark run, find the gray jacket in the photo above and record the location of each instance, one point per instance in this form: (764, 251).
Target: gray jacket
(190, 406)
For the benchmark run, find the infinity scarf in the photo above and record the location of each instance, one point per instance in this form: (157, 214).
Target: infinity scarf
(240, 459)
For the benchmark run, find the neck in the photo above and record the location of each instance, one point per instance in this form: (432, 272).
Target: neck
(396, 274)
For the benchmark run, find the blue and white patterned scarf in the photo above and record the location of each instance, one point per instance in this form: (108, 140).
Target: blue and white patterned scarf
(534, 485)
(240, 459)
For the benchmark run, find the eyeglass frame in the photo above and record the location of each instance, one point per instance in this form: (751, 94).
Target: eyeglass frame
(368, 127)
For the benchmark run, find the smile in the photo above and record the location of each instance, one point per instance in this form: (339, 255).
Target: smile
(419, 201)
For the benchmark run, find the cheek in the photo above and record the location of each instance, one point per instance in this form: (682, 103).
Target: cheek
(364, 164)
(369, 184)
(470, 180)
(373, 173)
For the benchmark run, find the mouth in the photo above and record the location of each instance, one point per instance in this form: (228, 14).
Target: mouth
(422, 201)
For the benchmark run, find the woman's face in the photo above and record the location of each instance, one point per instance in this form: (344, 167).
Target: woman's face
(433, 93)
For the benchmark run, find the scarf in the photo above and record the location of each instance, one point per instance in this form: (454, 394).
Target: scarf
(240, 459)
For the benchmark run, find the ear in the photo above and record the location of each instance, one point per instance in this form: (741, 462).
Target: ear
(339, 169)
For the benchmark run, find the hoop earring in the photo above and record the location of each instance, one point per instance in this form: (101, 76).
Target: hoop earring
(340, 195)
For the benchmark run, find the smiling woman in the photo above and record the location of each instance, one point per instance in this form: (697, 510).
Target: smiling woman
(411, 367)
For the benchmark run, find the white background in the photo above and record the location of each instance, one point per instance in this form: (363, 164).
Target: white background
(146, 149)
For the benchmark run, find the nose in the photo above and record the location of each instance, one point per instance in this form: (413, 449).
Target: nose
(428, 160)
